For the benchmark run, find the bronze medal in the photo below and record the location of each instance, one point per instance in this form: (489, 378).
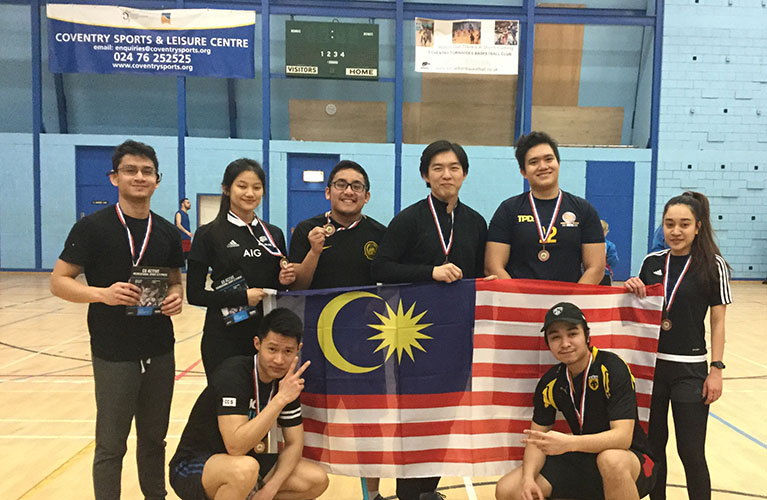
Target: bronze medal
(284, 262)
(329, 229)
(666, 324)
(544, 255)
(261, 447)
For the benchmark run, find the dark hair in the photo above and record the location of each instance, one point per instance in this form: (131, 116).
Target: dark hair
(526, 142)
(704, 248)
(131, 147)
(348, 164)
(283, 322)
(230, 174)
(438, 147)
(182, 200)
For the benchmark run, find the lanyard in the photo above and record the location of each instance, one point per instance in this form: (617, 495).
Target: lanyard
(274, 250)
(131, 243)
(550, 227)
(670, 300)
(580, 411)
(445, 246)
(342, 228)
(256, 391)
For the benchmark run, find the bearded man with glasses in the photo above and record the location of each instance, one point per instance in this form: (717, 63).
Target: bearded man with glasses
(335, 248)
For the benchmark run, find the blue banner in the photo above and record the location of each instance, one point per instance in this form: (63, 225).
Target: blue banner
(175, 42)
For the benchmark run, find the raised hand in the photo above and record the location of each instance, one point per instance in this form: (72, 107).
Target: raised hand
(292, 384)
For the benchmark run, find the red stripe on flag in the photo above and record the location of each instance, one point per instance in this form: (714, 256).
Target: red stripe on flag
(501, 370)
(415, 429)
(522, 286)
(439, 455)
(535, 316)
(526, 343)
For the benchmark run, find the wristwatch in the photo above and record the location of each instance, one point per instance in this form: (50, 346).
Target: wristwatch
(717, 364)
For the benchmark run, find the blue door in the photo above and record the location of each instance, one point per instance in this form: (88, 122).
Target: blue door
(610, 188)
(94, 190)
(307, 178)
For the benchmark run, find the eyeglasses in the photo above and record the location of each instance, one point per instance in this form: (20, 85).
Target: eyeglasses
(131, 170)
(341, 185)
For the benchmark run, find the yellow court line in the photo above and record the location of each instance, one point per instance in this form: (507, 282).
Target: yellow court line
(59, 470)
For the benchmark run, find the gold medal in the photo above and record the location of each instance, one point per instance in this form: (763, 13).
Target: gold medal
(260, 447)
(544, 255)
(284, 262)
(329, 229)
(666, 324)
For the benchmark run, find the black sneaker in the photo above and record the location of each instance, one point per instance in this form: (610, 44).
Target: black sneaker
(379, 497)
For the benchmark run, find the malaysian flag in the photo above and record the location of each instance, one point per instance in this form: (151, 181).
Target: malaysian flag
(437, 379)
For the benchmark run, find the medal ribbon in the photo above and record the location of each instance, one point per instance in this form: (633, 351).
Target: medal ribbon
(274, 250)
(670, 300)
(342, 228)
(582, 413)
(538, 219)
(131, 243)
(445, 247)
(255, 386)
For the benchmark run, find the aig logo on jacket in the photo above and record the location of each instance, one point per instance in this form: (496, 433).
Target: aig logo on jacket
(252, 252)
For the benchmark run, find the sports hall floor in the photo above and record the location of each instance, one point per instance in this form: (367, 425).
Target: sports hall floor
(47, 406)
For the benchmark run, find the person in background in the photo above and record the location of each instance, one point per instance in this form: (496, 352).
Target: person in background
(184, 228)
(611, 257)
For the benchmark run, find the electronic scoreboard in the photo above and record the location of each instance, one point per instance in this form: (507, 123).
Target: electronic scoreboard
(331, 50)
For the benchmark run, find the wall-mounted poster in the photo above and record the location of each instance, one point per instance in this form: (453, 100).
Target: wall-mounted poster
(474, 46)
(175, 42)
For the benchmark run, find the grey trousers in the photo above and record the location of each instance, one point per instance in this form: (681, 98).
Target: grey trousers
(124, 390)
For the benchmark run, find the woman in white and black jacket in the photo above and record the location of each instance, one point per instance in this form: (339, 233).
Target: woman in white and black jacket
(236, 243)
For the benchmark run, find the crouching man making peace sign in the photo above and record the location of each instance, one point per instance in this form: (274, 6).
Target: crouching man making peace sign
(223, 453)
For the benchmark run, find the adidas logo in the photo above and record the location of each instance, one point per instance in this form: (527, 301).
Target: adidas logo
(658, 272)
(232, 244)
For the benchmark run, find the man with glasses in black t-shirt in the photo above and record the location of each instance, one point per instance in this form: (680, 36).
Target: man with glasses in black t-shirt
(336, 248)
(133, 364)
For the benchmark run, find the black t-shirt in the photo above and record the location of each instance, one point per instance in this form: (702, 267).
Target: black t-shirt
(346, 256)
(611, 395)
(99, 244)
(231, 392)
(228, 248)
(687, 336)
(577, 224)
(411, 247)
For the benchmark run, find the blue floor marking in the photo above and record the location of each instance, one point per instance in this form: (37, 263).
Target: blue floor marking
(749, 436)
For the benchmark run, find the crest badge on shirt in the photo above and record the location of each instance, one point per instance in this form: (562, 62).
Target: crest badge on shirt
(569, 220)
(593, 382)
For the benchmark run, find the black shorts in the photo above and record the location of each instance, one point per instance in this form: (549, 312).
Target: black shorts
(576, 475)
(679, 382)
(186, 474)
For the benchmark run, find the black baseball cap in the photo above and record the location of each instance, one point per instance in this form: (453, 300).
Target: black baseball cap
(564, 311)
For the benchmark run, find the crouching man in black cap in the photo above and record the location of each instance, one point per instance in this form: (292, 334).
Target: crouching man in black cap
(606, 456)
